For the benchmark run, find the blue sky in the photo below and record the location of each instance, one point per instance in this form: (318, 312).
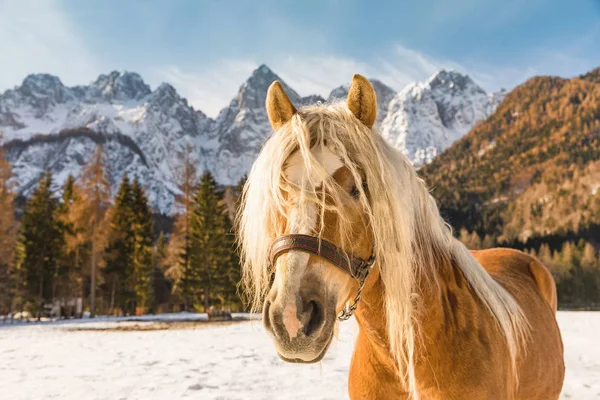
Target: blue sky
(206, 49)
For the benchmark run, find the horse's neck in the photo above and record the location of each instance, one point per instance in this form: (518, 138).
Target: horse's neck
(437, 293)
(437, 282)
(370, 314)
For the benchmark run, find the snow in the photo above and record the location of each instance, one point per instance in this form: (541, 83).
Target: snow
(82, 360)
(421, 121)
(580, 332)
(424, 119)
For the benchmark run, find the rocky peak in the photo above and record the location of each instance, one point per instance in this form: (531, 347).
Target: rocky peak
(339, 92)
(450, 79)
(166, 96)
(44, 86)
(253, 92)
(426, 118)
(122, 86)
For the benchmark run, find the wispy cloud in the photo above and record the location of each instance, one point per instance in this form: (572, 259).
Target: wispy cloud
(208, 90)
(39, 38)
(211, 89)
(319, 74)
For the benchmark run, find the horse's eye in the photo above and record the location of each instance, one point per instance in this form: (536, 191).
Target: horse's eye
(355, 193)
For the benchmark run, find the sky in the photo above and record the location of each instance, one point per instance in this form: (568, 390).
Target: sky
(207, 49)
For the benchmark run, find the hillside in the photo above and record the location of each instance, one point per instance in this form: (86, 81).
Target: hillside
(531, 169)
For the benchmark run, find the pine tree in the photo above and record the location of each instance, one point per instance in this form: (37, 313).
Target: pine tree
(229, 261)
(545, 254)
(8, 237)
(216, 256)
(588, 257)
(41, 242)
(207, 232)
(488, 242)
(142, 250)
(589, 272)
(161, 287)
(181, 246)
(69, 269)
(118, 271)
(96, 195)
(238, 193)
(471, 240)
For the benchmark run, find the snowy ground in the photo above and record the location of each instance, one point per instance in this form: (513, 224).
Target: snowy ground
(210, 361)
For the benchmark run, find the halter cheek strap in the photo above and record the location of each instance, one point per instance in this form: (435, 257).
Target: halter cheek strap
(355, 266)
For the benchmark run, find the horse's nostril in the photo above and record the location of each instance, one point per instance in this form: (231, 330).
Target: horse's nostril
(312, 318)
(267, 315)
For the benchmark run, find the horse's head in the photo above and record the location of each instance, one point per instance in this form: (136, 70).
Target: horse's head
(311, 183)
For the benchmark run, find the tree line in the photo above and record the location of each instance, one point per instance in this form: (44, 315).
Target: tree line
(575, 266)
(79, 243)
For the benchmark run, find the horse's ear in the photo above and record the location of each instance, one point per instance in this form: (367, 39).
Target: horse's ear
(362, 100)
(279, 107)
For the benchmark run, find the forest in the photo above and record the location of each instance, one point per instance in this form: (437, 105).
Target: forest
(78, 247)
(573, 262)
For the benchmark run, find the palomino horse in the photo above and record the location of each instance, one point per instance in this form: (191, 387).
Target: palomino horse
(330, 212)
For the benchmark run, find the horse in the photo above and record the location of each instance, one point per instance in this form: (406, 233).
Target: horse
(334, 221)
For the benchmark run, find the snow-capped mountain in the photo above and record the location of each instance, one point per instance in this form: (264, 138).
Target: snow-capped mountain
(145, 132)
(116, 107)
(426, 118)
(243, 126)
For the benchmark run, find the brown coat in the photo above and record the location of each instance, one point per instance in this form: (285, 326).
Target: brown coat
(462, 354)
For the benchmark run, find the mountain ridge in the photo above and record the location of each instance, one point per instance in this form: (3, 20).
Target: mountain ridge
(160, 122)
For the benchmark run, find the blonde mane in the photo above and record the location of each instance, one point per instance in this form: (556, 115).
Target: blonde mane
(410, 235)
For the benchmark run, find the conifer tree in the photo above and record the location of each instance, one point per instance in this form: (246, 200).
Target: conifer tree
(96, 200)
(41, 242)
(229, 261)
(118, 271)
(588, 257)
(488, 242)
(207, 231)
(545, 255)
(216, 256)
(69, 268)
(143, 239)
(471, 240)
(181, 246)
(8, 236)
(161, 287)
(590, 274)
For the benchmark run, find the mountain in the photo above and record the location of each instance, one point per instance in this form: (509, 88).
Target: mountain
(243, 126)
(38, 118)
(532, 169)
(426, 118)
(47, 125)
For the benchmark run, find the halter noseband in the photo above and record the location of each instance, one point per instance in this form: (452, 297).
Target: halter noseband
(355, 266)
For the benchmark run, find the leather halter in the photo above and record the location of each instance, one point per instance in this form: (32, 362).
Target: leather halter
(355, 266)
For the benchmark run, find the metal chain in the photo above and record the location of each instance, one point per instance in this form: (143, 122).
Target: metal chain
(348, 311)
